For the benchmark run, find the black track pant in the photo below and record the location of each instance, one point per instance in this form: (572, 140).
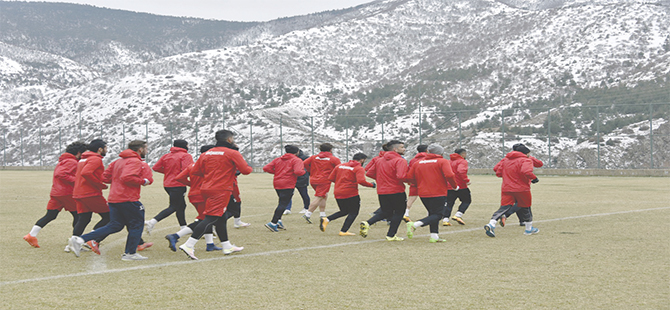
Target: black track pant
(349, 207)
(52, 214)
(524, 214)
(218, 221)
(285, 196)
(435, 207)
(463, 195)
(85, 218)
(177, 205)
(392, 208)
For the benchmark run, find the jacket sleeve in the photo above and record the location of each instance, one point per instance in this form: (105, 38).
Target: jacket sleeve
(527, 169)
(401, 169)
(185, 161)
(371, 169)
(88, 172)
(462, 170)
(67, 171)
(241, 164)
(197, 167)
(107, 175)
(536, 162)
(411, 175)
(448, 173)
(360, 177)
(183, 176)
(270, 168)
(132, 173)
(147, 174)
(307, 163)
(499, 168)
(298, 167)
(333, 175)
(159, 166)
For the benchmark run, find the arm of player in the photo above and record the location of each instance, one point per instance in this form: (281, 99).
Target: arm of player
(183, 177)
(159, 166)
(270, 168)
(67, 172)
(132, 173)
(449, 174)
(88, 172)
(241, 164)
(298, 167)
(360, 177)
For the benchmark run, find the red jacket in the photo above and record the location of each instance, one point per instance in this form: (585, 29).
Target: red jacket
(536, 162)
(346, 177)
(460, 168)
(127, 176)
(516, 169)
(374, 160)
(193, 181)
(64, 175)
(390, 171)
(88, 180)
(286, 169)
(432, 176)
(419, 156)
(171, 164)
(218, 167)
(320, 166)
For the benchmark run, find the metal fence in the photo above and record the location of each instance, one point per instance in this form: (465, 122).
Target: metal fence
(606, 137)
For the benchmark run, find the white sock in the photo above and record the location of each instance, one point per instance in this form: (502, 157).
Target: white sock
(529, 225)
(406, 212)
(152, 221)
(182, 227)
(459, 214)
(418, 224)
(36, 229)
(209, 238)
(434, 236)
(493, 223)
(227, 245)
(238, 221)
(184, 231)
(308, 214)
(191, 242)
(446, 220)
(322, 214)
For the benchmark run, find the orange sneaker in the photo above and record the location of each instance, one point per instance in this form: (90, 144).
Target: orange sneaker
(94, 246)
(144, 246)
(343, 233)
(31, 240)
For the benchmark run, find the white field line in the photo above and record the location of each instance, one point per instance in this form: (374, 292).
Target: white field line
(239, 256)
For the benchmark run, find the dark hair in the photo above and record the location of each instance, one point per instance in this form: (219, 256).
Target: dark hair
(180, 143)
(459, 151)
(325, 147)
(516, 146)
(385, 147)
(76, 147)
(206, 148)
(223, 135)
(136, 145)
(359, 156)
(96, 144)
(523, 149)
(422, 148)
(291, 149)
(391, 144)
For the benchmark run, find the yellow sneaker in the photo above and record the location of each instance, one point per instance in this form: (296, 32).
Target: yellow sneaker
(365, 227)
(458, 219)
(346, 233)
(406, 219)
(323, 224)
(394, 238)
(446, 224)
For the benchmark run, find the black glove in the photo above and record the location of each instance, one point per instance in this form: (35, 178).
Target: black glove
(535, 180)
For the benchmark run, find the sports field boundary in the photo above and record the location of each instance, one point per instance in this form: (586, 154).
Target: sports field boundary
(291, 250)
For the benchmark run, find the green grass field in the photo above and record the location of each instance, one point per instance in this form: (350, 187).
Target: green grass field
(602, 245)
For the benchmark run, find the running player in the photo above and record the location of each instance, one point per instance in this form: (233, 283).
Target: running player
(460, 167)
(286, 170)
(319, 167)
(413, 191)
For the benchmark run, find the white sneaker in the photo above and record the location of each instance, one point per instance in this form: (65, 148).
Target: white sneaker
(131, 257)
(67, 248)
(286, 212)
(75, 244)
(233, 250)
(148, 227)
(190, 252)
(303, 211)
(241, 224)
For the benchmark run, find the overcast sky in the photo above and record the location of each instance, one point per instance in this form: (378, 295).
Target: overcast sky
(234, 10)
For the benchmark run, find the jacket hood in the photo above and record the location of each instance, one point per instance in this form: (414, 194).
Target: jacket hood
(515, 155)
(432, 156)
(325, 154)
(353, 163)
(88, 154)
(176, 149)
(381, 153)
(65, 156)
(420, 155)
(228, 145)
(456, 156)
(391, 155)
(288, 156)
(128, 153)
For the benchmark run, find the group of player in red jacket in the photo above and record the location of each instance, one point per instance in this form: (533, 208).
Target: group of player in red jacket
(80, 177)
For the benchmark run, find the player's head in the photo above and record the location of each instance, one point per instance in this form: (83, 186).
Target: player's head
(76, 148)
(385, 147)
(422, 148)
(360, 157)
(291, 149)
(325, 147)
(205, 148)
(98, 146)
(139, 146)
(396, 146)
(520, 147)
(224, 136)
(180, 143)
(435, 149)
(461, 152)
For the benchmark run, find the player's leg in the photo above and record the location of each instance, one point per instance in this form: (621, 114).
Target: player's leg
(451, 200)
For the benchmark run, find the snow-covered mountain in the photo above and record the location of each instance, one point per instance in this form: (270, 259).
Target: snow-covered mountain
(379, 71)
